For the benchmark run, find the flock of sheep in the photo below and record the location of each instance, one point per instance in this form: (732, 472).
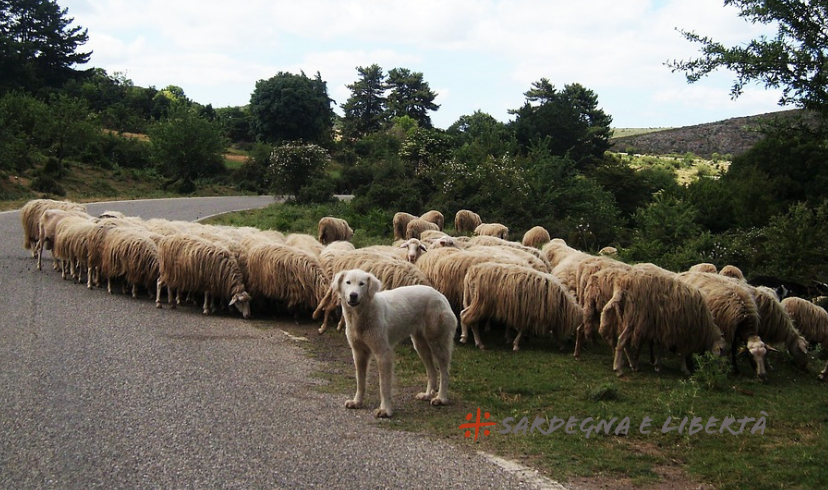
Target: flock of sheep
(539, 286)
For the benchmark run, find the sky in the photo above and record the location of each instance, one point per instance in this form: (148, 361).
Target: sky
(475, 54)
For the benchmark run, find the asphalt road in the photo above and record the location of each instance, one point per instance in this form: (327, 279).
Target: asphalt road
(100, 391)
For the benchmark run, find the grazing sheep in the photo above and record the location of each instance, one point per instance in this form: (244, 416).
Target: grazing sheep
(536, 237)
(733, 272)
(520, 297)
(609, 252)
(334, 229)
(194, 264)
(652, 307)
(811, 321)
(286, 274)
(466, 221)
(418, 225)
(401, 224)
(392, 271)
(435, 217)
(735, 313)
(776, 327)
(30, 218)
(305, 242)
(704, 267)
(596, 280)
(492, 229)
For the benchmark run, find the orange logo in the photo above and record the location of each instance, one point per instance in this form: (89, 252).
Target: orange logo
(477, 425)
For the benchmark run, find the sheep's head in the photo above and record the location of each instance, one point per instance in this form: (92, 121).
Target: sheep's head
(415, 249)
(242, 303)
(798, 348)
(757, 350)
(719, 346)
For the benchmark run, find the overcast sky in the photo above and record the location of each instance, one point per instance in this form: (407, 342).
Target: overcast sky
(476, 54)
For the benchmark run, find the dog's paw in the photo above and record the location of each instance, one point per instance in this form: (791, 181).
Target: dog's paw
(353, 404)
(424, 396)
(437, 401)
(383, 413)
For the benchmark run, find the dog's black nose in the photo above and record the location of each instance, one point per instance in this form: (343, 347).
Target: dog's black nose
(353, 297)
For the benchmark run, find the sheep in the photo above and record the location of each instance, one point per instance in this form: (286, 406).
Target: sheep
(131, 253)
(333, 229)
(608, 252)
(112, 214)
(400, 223)
(71, 242)
(733, 272)
(330, 252)
(435, 217)
(414, 249)
(526, 258)
(449, 241)
(30, 218)
(489, 241)
(704, 267)
(595, 281)
(811, 321)
(648, 306)
(286, 274)
(193, 264)
(556, 251)
(536, 237)
(47, 226)
(305, 242)
(390, 270)
(466, 221)
(432, 235)
(776, 327)
(418, 225)
(492, 229)
(735, 313)
(520, 297)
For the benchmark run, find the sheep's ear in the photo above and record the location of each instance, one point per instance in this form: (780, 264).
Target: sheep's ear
(770, 348)
(404, 244)
(374, 285)
(423, 248)
(233, 301)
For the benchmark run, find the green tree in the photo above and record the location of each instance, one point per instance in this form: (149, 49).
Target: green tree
(794, 60)
(236, 122)
(69, 125)
(38, 45)
(410, 96)
(23, 131)
(663, 227)
(365, 110)
(479, 135)
(290, 107)
(296, 165)
(186, 147)
(570, 119)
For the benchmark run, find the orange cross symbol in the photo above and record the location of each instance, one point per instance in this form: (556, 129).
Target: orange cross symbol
(477, 425)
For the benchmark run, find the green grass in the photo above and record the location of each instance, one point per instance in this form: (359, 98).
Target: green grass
(544, 381)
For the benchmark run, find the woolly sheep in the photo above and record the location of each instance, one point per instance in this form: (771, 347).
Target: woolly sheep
(811, 321)
(30, 217)
(414, 249)
(332, 229)
(287, 275)
(489, 241)
(47, 228)
(733, 272)
(776, 327)
(193, 264)
(492, 229)
(432, 235)
(651, 307)
(435, 217)
(608, 252)
(704, 267)
(595, 287)
(305, 242)
(536, 237)
(132, 254)
(556, 251)
(400, 223)
(522, 298)
(466, 221)
(735, 312)
(417, 226)
(71, 243)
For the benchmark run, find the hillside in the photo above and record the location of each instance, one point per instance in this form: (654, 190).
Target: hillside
(731, 136)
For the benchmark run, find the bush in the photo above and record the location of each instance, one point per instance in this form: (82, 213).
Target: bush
(711, 371)
(47, 184)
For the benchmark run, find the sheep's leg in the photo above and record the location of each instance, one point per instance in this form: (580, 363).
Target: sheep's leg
(173, 304)
(516, 342)
(158, 285)
(618, 361)
(579, 340)
(824, 372)
(39, 254)
(109, 285)
(206, 308)
(341, 324)
(134, 291)
(89, 272)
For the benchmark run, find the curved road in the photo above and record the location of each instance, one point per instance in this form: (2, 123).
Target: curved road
(100, 391)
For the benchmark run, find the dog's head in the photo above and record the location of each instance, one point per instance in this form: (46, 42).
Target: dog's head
(355, 286)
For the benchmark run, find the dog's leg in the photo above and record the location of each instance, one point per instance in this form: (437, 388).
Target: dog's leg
(441, 351)
(361, 358)
(385, 366)
(424, 350)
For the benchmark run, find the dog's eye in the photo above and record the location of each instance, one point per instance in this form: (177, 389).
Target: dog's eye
(347, 282)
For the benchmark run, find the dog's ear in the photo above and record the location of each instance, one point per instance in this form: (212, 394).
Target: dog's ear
(374, 285)
(337, 280)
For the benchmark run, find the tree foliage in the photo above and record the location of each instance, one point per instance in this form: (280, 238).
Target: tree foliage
(38, 45)
(410, 96)
(290, 107)
(365, 108)
(794, 60)
(296, 165)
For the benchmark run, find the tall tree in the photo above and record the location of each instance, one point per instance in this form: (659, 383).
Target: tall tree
(365, 108)
(567, 121)
(290, 107)
(796, 59)
(38, 45)
(410, 96)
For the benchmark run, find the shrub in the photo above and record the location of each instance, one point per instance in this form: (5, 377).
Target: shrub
(47, 184)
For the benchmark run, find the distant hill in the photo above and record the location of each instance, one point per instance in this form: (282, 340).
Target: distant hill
(731, 136)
